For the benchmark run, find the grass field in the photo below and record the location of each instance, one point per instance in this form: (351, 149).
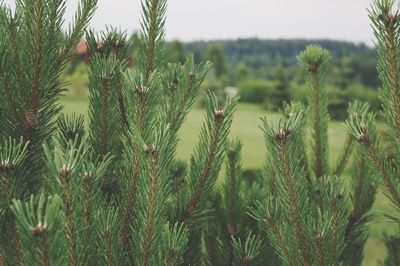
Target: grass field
(245, 127)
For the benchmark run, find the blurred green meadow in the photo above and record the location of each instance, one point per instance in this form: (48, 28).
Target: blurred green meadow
(245, 127)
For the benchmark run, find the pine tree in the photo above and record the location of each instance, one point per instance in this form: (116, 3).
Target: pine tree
(384, 15)
(307, 213)
(114, 193)
(124, 160)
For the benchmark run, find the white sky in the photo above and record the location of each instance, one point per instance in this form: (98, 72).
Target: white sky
(231, 19)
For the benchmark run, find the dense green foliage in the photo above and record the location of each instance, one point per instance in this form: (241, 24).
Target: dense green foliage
(114, 193)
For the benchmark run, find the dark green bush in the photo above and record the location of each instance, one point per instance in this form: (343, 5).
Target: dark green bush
(256, 90)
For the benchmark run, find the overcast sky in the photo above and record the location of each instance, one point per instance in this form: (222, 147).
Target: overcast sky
(222, 19)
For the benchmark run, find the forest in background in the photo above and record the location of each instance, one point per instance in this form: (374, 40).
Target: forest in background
(265, 72)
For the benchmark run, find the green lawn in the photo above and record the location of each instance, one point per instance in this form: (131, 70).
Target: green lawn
(245, 127)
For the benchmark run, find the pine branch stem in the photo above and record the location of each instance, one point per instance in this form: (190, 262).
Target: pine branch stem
(16, 57)
(129, 202)
(343, 159)
(357, 203)
(195, 199)
(318, 153)
(10, 99)
(4, 177)
(174, 121)
(122, 110)
(43, 252)
(108, 248)
(151, 210)
(103, 134)
(392, 70)
(151, 46)
(17, 246)
(319, 251)
(383, 173)
(232, 199)
(37, 54)
(271, 222)
(335, 226)
(293, 204)
(87, 205)
(2, 257)
(68, 225)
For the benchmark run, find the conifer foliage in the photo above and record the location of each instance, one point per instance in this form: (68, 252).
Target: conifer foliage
(107, 192)
(111, 191)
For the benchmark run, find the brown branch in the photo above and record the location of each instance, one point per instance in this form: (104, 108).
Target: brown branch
(316, 126)
(42, 252)
(14, 49)
(69, 224)
(293, 204)
(271, 222)
(108, 245)
(87, 203)
(5, 181)
(103, 134)
(37, 54)
(151, 211)
(129, 201)
(122, 110)
(392, 71)
(10, 99)
(151, 48)
(319, 249)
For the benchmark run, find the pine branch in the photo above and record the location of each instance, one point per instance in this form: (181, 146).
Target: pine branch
(143, 103)
(152, 31)
(81, 20)
(150, 216)
(107, 227)
(282, 139)
(12, 35)
(294, 208)
(247, 252)
(344, 156)
(233, 168)
(36, 220)
(385, 23)
(363, 129)
(64, 164)
(7, 91)
(12, 154)
(208, 156)
(314, 61)
(37, 55)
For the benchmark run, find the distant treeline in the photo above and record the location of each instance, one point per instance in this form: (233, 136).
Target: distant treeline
(266, 72)
(260, 55)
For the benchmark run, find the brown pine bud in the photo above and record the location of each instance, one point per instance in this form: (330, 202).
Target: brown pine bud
(219, 113)
(312, 67)
(192, 77)
(362, 137)
(30, 118)
(65, 170)
(7, 165)
(38, 230)
(283, 133)
(150, 149)
(391, 15)
(88, 176)
(141, 90)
